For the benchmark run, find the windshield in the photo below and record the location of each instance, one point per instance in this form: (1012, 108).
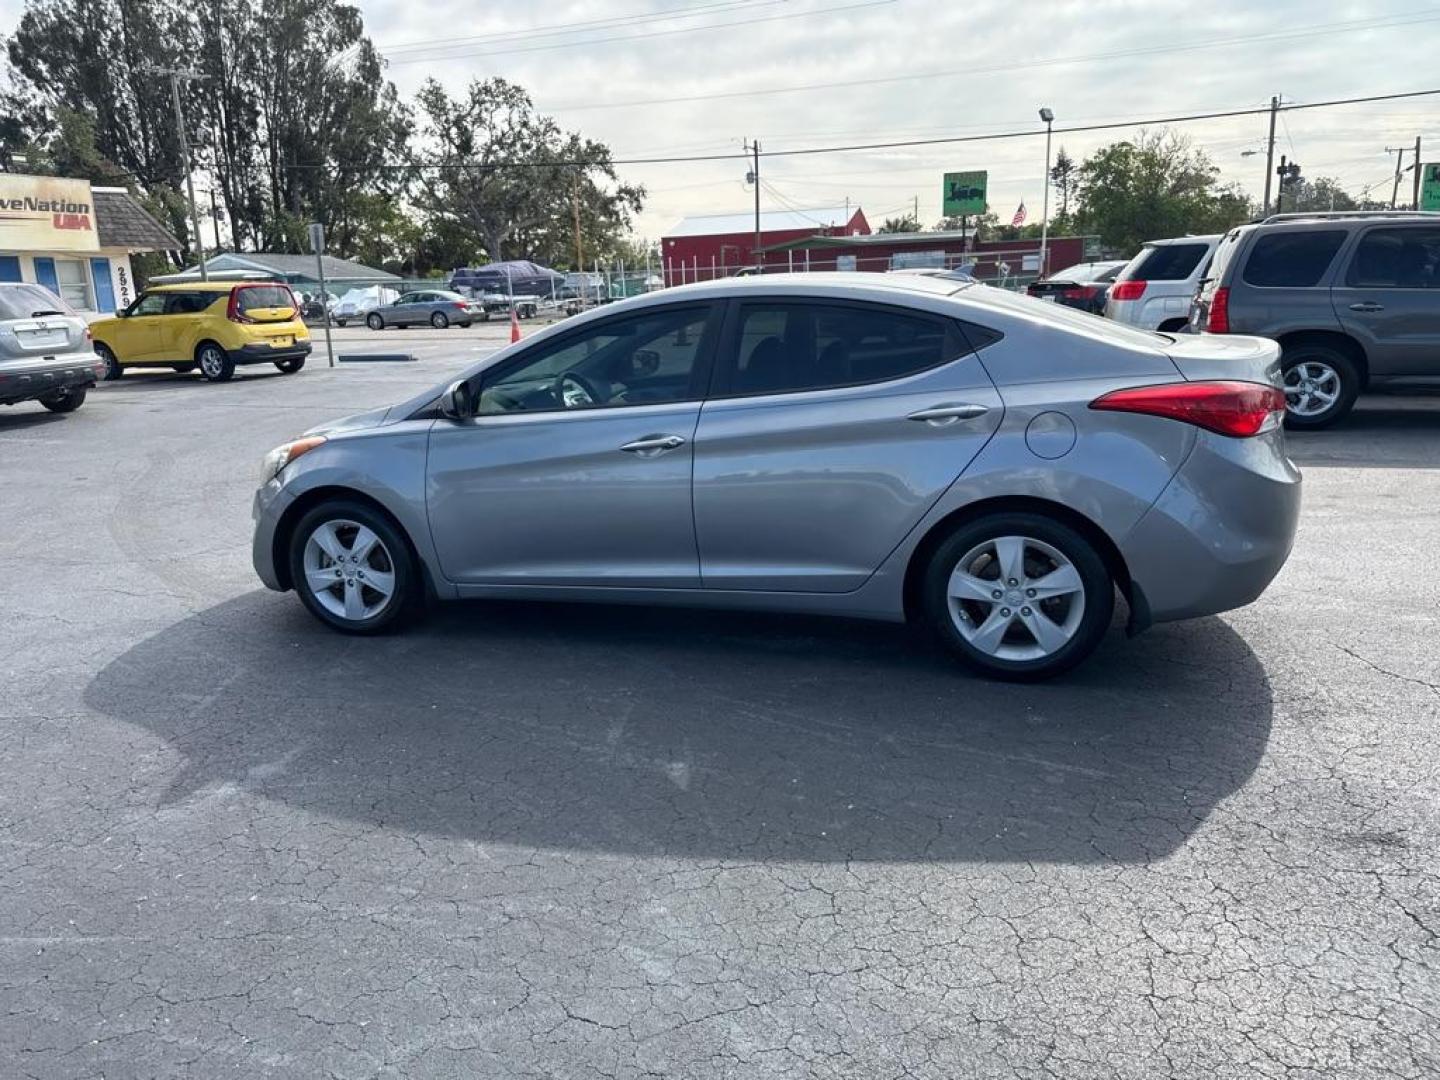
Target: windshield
(30, 301)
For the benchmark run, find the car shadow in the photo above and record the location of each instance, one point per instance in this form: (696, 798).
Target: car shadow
(1386, 431)
(709, 735)
(29, 414)
(171, 380)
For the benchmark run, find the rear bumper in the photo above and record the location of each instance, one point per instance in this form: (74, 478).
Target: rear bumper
(1220, 531)
(36, 380)
(257, 353)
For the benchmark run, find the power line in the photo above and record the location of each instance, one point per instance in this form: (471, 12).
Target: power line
(896, 144)
(641, 37)
(1314, 31)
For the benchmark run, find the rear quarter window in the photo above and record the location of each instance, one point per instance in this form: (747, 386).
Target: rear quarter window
(1167, 262)
(1294, 260)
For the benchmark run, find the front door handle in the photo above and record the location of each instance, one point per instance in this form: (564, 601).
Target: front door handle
(652, 445)
(941, 415)
(1368, 305)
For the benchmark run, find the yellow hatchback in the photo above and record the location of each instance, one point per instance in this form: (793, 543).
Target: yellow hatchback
(210, 325)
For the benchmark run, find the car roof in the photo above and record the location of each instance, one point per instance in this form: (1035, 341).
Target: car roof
(1209, 238)
(207, 286)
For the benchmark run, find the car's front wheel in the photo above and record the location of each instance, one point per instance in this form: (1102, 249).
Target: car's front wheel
(374, 321)
(1019, 595)
(352, 568)
(113, 370)
(63, 401)
(1321, 385)
(215, 363)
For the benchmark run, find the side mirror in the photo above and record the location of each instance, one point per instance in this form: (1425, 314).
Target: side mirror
(123, 313)
(455, 401)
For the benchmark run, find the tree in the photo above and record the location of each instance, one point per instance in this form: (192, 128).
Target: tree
(1154, 186)
(1064, 174)
(509, 179)
(908, 223)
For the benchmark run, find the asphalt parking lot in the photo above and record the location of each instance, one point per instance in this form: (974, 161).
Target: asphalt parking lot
(584, 842)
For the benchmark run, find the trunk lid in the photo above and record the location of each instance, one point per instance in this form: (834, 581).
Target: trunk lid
(1202, 357)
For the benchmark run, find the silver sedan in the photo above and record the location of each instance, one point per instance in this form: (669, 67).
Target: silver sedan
(888, 447)
(437, 307)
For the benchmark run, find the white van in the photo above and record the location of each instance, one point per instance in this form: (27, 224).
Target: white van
(1154, 290)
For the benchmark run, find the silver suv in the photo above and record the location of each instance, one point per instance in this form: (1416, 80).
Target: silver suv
(1352, 298)
(45, 349)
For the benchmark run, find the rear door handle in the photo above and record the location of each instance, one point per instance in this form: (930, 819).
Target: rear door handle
(941, 415)
(1368, 305)
(651, 445)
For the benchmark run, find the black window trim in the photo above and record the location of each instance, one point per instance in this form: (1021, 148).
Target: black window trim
(699, 372)
(726, 365)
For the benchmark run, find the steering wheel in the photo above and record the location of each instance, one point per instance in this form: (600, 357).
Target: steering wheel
(575, 391)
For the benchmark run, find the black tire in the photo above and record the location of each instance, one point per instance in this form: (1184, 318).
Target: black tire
(374, 321)
(463, 325)
(289, 367)
(63, 401)
(340, 323)
(1299, 360)
(405, 600)
(216, 365)
(183, 369)
(113, 370)
(439, 320)
(1097, 596)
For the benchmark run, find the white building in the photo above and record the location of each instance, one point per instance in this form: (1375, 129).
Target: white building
(75, 239)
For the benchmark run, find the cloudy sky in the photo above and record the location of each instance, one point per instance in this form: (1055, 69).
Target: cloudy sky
(699, 76)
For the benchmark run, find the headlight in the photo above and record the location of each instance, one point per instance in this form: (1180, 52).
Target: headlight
(281, 456)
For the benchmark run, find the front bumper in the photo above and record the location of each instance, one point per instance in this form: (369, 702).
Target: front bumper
(1221, 530)
(267, 508)
(45, 377)
(260, 353)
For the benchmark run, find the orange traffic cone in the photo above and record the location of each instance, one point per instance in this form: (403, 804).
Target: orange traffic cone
(514, 326)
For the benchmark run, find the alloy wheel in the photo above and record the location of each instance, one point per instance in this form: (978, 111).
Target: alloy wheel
(1016, 598)
(1312, 388)
(212, 362)
(349, 570)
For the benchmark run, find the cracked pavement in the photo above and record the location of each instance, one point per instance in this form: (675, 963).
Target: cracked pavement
(539, 841)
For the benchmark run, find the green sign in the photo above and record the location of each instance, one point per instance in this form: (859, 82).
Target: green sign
(1430, 187)
(963, 193)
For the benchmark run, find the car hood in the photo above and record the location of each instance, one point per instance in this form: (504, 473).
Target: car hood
(355, 422)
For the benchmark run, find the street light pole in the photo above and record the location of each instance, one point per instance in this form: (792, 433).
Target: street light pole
(1049, 117)
(176, 74)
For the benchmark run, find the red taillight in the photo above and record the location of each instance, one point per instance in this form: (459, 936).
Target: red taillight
(1237, 409)
(232, 309)
(460, 305)
(1127, 290)
(1219, 321)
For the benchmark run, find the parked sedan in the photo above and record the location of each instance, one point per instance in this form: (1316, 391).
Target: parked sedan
(438, 307)
(869, 445)
(45, 352)
(1082, 286)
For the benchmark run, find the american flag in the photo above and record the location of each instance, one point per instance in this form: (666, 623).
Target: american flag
(1019, 218)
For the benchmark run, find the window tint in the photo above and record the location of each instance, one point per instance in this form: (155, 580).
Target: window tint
(149, 304)
(263, 296)
(1397, 259)
(188, 303)
(1167, 262)
(1292, 259)
(643, 360)
(786, 347)
(28, 301)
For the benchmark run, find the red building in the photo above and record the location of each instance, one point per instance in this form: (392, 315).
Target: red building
(720, 245)
(1008, 262)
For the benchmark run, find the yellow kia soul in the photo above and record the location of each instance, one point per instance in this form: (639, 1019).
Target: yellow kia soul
(210, 325)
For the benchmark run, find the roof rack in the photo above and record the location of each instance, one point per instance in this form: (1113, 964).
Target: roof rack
(1328, 214)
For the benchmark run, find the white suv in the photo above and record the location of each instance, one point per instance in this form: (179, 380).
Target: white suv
(1154, 290)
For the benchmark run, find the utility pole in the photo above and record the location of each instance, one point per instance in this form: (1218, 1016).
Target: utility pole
(1415, 194)
(176, 74)
(1270, 154)
(579, 252)
(754, 148)
(1399, 152)
(1048, 116)
(915, 217)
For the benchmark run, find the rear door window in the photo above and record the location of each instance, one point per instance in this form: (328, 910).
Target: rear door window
(1292, 260)
(1405, 258)
(1167, 262)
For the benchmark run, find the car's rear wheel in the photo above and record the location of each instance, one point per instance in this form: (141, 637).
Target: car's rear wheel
(439, 321)
(1019, 595)
(113, 370)
(352, 568)
(63, 401)
(340, 323)
(215, 363)
(1321, 385)
(374, 321)
(289, 367)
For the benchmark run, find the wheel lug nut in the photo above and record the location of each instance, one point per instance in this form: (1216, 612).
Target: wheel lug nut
(1014, 582)
(1005, 611)
(1030, 593)
(997, 594)
(1025, 611)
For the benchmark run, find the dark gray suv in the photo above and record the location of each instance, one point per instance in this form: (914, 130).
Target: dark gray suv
(1352, 298)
